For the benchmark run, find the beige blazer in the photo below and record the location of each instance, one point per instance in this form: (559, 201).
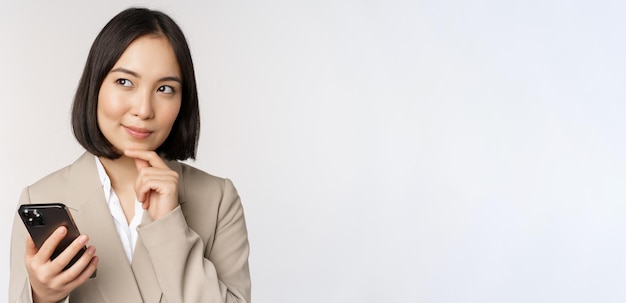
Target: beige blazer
(197, 253)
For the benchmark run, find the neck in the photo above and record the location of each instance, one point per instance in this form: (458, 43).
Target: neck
(121, 171)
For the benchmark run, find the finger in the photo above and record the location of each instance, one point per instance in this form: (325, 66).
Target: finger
(143, 193)
(141, 196)
(151, 157)
(141, 164)
(146, 202)
(164, 188)
(79, 266)
(155, 180)
(48, 247)
(70, 252)
(160, 182)
(85, 274)
(155, 173)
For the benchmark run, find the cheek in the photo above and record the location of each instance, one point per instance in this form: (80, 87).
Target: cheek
(171, 113)
(174, 114)
(109, 106)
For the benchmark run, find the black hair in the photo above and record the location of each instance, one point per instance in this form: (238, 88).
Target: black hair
(106, 49)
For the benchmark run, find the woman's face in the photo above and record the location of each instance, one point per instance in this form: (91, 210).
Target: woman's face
(140, 98)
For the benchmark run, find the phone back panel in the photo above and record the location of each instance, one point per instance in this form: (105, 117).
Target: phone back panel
(41, 220)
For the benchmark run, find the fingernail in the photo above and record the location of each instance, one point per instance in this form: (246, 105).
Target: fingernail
(61, 231)
(82, 239)
(91, 250)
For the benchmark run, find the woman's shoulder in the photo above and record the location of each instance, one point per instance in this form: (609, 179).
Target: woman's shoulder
(191, 174)
(195, 181)
(58, 181)
(62, 175)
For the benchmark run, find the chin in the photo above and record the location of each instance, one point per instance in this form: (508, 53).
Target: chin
(134, 147)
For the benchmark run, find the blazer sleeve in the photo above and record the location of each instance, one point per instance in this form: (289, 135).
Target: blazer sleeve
(19, 285)
(201, 272)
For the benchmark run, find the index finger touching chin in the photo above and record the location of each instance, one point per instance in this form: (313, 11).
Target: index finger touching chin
(149, 156)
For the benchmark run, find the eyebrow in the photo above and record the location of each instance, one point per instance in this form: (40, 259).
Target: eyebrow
(134, 74)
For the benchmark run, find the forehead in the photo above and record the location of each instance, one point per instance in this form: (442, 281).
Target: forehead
(150, 56)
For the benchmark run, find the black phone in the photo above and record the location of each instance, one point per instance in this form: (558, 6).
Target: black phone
(41, 220)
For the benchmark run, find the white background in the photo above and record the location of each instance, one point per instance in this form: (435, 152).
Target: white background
(385, 151)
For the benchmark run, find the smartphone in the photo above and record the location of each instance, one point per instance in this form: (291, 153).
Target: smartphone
(41, 220)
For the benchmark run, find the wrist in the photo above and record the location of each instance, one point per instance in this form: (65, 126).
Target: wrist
(43, 299)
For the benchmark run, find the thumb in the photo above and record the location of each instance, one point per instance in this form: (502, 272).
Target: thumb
(139, 163)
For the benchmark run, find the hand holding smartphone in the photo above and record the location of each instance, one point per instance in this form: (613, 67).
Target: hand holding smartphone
(41, 220)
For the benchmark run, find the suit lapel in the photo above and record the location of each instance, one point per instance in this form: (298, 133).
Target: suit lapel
(115, 278)
(144, 271)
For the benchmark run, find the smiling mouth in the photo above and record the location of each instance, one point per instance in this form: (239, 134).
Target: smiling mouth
(137, 133)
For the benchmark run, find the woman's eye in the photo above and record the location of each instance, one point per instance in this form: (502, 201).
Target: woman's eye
(124, 82)
(166, 89)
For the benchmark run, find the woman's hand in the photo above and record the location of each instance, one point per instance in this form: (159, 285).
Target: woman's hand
(48, 281)
(157, 185)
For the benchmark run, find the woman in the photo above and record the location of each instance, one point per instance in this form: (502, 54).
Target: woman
(164, 231)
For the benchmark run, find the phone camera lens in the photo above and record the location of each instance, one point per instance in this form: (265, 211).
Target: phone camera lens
(33, 217)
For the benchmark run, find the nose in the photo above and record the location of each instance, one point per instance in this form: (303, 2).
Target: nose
(142, 106)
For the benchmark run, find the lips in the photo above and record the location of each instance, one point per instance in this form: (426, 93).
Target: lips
(137, 132)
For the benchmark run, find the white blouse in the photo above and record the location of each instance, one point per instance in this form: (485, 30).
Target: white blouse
(127, 232)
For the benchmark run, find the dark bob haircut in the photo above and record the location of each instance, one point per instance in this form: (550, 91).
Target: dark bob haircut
(108, 47)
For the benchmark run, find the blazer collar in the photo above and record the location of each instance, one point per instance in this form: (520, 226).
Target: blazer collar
(84, 181)
(117, 279)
